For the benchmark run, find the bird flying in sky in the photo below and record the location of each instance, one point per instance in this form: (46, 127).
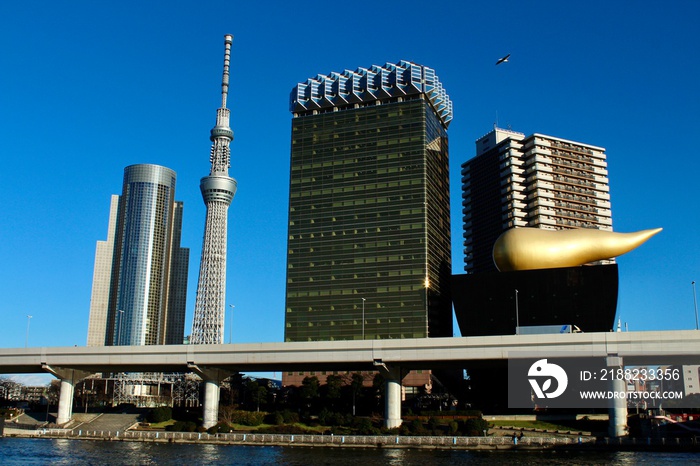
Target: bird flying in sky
(503, 60)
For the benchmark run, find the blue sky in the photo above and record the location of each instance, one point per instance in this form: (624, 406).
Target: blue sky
(87, 88)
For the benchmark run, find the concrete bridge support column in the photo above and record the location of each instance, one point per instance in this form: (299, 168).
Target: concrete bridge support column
(212, 378)
(210, 411)
(392, 407)
(68, 379)
(65, 402)
(392, 393)
(617, 426)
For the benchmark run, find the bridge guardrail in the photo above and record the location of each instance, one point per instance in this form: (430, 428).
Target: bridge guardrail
(308, 439)
(360, 440)
(20, 426)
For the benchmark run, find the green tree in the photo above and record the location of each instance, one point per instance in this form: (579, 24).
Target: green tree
(226, 413)
(8, 387)
(278, 418)
(364, 426)
(475, 427)
(433, 425)
(416, 427)
(290, 417)
(258, 393)
(309, 388)
(248, 418)
(160, 414)
(334, 385)
(453, 428)
(53, 392)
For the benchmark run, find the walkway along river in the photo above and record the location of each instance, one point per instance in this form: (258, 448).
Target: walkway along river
(369, 441)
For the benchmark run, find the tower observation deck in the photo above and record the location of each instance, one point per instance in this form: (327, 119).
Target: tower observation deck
(218, 190)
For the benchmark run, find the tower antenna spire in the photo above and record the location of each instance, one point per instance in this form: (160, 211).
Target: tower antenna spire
(228, 40)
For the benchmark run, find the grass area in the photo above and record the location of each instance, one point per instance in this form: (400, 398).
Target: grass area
(581, 425)
(162, 425)
(530, 425)
(240, 427)
(318, 429)
(563, 426)
(315, 429)
(248, 428)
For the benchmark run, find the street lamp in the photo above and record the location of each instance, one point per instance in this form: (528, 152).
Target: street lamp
(517, 314)
(230, 329)
(119, 332)
(48, 402)
(26, 338)
(87, 394)
(695, 301)
(363, 318)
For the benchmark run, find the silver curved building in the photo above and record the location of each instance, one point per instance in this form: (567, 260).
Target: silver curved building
(140, 279)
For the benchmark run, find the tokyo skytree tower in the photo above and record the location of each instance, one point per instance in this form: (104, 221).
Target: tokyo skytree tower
(217, 190)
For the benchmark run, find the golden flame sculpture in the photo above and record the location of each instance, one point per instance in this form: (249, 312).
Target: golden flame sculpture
(534, 248)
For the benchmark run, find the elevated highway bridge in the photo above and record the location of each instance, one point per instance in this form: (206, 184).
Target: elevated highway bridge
(214, 363)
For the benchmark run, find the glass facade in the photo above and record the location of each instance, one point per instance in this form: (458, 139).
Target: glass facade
(369, 227)
(148, 269)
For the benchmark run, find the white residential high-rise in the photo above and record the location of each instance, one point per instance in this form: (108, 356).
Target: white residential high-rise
(101, 281)
(218, 190)
(535, 181)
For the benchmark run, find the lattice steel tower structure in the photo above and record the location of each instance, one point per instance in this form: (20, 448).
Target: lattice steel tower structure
(218, 190)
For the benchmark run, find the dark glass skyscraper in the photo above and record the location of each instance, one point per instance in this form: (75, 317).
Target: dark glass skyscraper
(369, 211)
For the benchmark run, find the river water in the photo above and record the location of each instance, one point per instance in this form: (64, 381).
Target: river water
(22, 451)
